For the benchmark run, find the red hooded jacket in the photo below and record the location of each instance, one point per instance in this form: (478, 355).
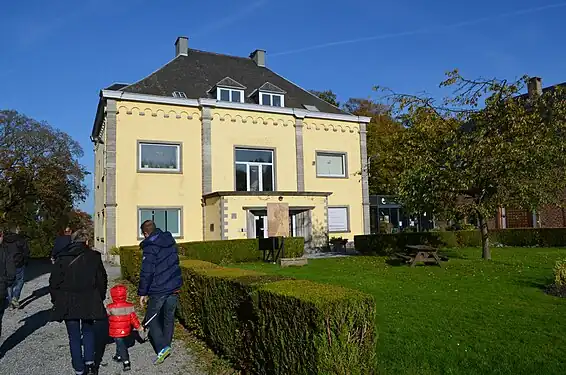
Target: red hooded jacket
(121, 313)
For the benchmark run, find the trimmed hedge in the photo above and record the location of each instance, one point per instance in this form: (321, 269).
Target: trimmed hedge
(385, 244)
(236, 251)
(270, 324)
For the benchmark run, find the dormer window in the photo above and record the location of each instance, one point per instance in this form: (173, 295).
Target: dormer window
(228, 90)
(275, 100)
(230, 95)
(269, 94)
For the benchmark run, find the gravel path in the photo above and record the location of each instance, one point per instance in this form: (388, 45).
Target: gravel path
(33, 345)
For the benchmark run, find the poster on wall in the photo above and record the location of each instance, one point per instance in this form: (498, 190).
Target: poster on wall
(278, 220)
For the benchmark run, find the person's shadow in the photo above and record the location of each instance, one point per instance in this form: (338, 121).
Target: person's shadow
(36, 294)
(31, 324)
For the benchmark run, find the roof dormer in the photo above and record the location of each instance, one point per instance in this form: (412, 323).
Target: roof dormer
(228, 90)
(269, 94)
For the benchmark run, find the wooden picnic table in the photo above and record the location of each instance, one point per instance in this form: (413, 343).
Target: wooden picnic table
(420, 253)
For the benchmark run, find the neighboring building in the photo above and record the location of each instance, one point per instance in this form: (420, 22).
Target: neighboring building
(205, 142)
(388, 215)
(547, 217)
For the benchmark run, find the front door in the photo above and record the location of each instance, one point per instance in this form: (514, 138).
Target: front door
(260, 226)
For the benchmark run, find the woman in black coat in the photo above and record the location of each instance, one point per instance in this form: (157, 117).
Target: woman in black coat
(78, 285)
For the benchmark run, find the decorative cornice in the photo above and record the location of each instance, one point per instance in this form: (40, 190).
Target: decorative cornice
(140, 111)
(120, 95)
(254, 120)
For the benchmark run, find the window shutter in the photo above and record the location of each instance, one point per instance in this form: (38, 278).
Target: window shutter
(337, 219)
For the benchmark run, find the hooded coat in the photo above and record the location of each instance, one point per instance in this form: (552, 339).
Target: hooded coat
(18, 246)
(7, 271)
(121, 313)
(160, 272)
(78, 284)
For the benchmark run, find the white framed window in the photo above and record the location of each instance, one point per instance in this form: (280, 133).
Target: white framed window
(159, 157)
(166, 219)
(338, 219)
(230, 95)
(331, 164)
(274, 100)
(254, 170)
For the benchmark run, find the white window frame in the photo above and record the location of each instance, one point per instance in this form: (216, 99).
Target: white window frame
(260, 165)
(179, 218)
(141, 168)
(231, 91)
(271, 95)
(347, 209)
(333, 153)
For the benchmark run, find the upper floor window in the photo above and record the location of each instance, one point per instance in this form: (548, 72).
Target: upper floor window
(230, 95)
(275, 100)
(254, 170)
(228, 90)
(269, 94)
(159, 157)
(331, 164)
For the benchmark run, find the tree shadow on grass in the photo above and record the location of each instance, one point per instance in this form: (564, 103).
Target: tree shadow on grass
(31, 324)
(35, 295)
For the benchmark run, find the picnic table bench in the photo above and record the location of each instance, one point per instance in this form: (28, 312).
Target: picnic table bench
(420, 253)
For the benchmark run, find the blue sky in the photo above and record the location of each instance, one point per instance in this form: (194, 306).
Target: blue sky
(54, 59)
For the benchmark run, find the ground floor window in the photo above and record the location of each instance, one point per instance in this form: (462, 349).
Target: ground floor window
(338, 219)
(166, 219)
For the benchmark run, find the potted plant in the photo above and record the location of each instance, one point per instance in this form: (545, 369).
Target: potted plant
(338, 244)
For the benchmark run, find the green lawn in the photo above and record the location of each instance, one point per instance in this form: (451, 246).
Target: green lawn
(471, 317)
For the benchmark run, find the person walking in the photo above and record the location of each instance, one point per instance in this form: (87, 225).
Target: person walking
(18, 246)
(7, 275)
(121, 318)
(77, 286)
(61, 243)
(160, 281)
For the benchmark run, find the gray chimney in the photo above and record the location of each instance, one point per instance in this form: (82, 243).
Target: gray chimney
(258, 56)
(182, 46)
(534, 86)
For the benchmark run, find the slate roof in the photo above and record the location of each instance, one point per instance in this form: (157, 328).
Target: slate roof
(200, 71)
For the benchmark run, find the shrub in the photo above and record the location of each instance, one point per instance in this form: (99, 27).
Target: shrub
(272, 324)
(236, 251)
(560, 273)
(130, 263)
(384, 244)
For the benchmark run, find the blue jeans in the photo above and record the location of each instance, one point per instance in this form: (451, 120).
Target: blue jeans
(76, 329)
(161, 327)
(15, 291)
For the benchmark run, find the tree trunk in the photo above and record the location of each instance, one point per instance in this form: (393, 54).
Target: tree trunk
(486, 252)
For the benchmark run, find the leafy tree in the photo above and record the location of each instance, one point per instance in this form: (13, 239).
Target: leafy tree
(328, 96)
(383, 153)
(40, 176)
(482, 147)
(79, 219)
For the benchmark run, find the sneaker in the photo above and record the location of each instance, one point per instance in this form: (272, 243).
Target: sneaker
(127, 366)
(91, 369)
(15, 303)
(162, 355)
(117, 358)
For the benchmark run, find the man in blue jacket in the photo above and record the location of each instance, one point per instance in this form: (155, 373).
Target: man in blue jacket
(160, 281)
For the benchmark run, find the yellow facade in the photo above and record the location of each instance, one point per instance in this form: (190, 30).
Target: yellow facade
(225, 216)
(154, 122)
(336, 136)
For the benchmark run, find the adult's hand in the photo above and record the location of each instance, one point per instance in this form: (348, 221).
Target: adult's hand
(143, 301)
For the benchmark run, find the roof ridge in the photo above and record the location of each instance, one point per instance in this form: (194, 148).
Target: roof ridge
(219, 54)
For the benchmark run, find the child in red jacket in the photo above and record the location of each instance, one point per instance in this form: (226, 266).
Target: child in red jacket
(121, 318)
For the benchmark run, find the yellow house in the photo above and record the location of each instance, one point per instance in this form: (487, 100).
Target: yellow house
(205, 142)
